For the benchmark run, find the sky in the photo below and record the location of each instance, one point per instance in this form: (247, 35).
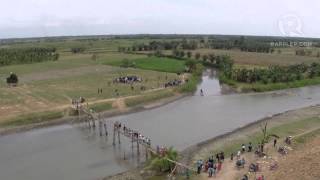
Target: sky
(40, 18)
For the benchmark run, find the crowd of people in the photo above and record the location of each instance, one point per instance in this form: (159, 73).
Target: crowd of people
(127, 79)
(172, 83)
(132, 133)
(212, 166)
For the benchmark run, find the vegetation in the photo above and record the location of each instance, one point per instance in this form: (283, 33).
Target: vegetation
(161, 163)
(12, 79)
(77, 50)
(266, 136)
(27, 55)
(282, 131)
(32, 118)
(193, 81)
(100, 107)
(153, 63)
(148, 97)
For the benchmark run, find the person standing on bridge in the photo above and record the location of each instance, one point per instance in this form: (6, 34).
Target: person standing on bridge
(100, 127)
(105, 127)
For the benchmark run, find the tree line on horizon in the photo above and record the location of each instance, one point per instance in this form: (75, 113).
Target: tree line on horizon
(27, 55)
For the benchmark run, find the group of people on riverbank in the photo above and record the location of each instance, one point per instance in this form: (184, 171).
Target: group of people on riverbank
(127, 79)
(173, 83)
(212, 166)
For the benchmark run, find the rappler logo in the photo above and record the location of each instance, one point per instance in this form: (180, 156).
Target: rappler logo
(290, 25)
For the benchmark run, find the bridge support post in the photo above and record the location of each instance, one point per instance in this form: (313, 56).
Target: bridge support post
(114, 136)
(147, 152)
(132, 140)
(93, 124)
(138, 150)
(119, 136)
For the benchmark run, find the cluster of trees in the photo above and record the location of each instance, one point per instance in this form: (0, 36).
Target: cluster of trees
(27, 55)
(222, 62)
(181, 54)
(77, 50)
(161, 45)
(12, 79)
(257, 47)
(274, 74)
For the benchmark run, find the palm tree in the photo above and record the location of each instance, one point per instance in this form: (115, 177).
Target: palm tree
(191, 65)
(164, 163)
(266, 135)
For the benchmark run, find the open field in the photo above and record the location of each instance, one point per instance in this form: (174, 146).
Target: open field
(154, 63)
(49, 86)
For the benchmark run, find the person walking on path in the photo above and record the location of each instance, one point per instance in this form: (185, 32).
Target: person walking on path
(250, 147)
(243, 147)
(274, 142)
(199, 166)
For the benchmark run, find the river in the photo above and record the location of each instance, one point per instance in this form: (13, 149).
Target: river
(74, 152)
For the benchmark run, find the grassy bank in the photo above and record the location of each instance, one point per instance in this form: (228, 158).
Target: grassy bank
(193, 80)
(260, 87)
(100, 107)
(32, 118)
(149, 97)
(283, 130)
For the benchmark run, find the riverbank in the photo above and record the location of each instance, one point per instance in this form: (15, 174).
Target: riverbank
(136, 105)
(261, 87)
(290, 123)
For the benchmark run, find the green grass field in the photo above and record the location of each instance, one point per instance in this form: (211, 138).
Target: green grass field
(155, 63)
(49, 85)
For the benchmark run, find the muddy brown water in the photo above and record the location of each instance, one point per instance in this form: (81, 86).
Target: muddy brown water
(74, 152)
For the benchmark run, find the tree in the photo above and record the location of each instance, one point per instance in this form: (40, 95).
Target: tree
(182, 54)
(162, 163)
(77, 50)
(12, 79)
(191, 65)
(197, 56)
(266, 135)
(189, 54)
(204, 57)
